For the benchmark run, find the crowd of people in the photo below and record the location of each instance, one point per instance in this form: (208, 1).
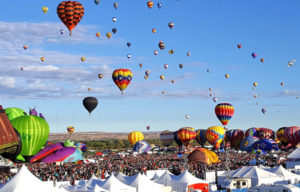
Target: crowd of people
(130, 165)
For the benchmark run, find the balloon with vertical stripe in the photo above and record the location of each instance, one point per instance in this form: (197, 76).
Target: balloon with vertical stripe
(122, 78)
(135, 136)
(292, 135)
(186, 135)
(200, 137)
(215, 135)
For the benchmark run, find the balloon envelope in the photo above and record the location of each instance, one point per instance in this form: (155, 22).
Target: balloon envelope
(203, 155)
(90, 103)
(186, 135)
(224, 112)
(122, 78)
(14, 112)
(201, 137)
(166, 137)
(141, 147)
(215, 135)
(135, 136)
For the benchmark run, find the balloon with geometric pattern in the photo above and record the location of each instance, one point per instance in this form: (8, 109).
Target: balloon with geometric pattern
(122, 78)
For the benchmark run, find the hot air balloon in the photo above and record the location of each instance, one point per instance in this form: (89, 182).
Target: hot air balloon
(255, 96)
(246, 144)
(25, 47)
(166, 66)
(14, 112)
(141, 65)
(61, 31)
(166, 137)
(135, 136)
(150, 4)
(159, 5)
(226, 76)
(161, 77)
(97, 2)
(100, 75)
(180, 66)
(89, 89)
(161, 45)
(172, 51)
(215, 135)
(281, 137)
(116, 5)
(155, 52)
(153, 30)
(122, 78)
(224, 112)
(262, 60)
(235, 137)
(141, 147)
(34, 133)
(114, 19)
(148, 127)
(147, 72)
(265, 133)
(70, 13)
(263, 110)
(187, 116)
(81, 146)
(171, 25)
(42, 59)
(46, 151)
(82, 59)
(66, 154)
(45, 9)
(90, 103)
(162, 92)
(215, 99)
(177, 140)
(253, 131)
(128, 44)
(172, 81)
(108, 35)
(70, 129)
(114, 30)
(186, 135)
(291, 134)
(207, 70)
(265, 145)
(128, 56)
(254, 55)
(98, 34)
(239, 46)
(282, 83)
(210, 89)
(201, 137)
(188, 53)
(203, 155)
(291, 63)
(255, 84)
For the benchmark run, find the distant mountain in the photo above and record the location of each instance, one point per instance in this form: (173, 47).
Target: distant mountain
(88, 136)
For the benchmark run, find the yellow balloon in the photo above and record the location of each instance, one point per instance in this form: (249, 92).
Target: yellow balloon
(215, 135)
(42, 59)
(227, 76)
(135, 136)
(255, 84)
(108, 35)
(45, 9)
(162, 77)
(82, 59)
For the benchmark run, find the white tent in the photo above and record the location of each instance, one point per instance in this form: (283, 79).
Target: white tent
(186, 180)
(112, 184)
(165, 178)
(24, 180)
(124, 178)
(155, 176)
(91, 182)
(293, 159)
(287, 177)
(143, 184)
(97, 188)
(258, 176)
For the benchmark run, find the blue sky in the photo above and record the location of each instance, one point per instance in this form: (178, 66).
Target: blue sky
(209, 30)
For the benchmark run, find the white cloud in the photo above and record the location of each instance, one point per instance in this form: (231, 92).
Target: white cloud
(8, 82)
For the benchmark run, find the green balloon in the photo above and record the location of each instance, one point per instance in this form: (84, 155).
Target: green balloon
(34, 132)
(69, 143)
(13, 113)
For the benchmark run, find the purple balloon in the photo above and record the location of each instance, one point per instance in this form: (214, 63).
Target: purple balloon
(254, 55)
(33, 112)
(42, 116)
(59, 155)
(46, 151)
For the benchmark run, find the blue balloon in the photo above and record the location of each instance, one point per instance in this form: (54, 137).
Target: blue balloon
(159, 5)
(265, 145)
(141, 147)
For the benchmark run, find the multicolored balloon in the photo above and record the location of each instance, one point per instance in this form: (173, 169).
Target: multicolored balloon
(235, 136)
(246, 144)
(186, 135)
(161, 45)
(171, 25)
(201, 136)
(224, 112)
(70, 129)
(265, 133)
(122, 78)
(141, 147)
(215, 135)
(292, 135)
(150, 4)
(254, 55)
(70, 13)
(253, 131)
(281, 137)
